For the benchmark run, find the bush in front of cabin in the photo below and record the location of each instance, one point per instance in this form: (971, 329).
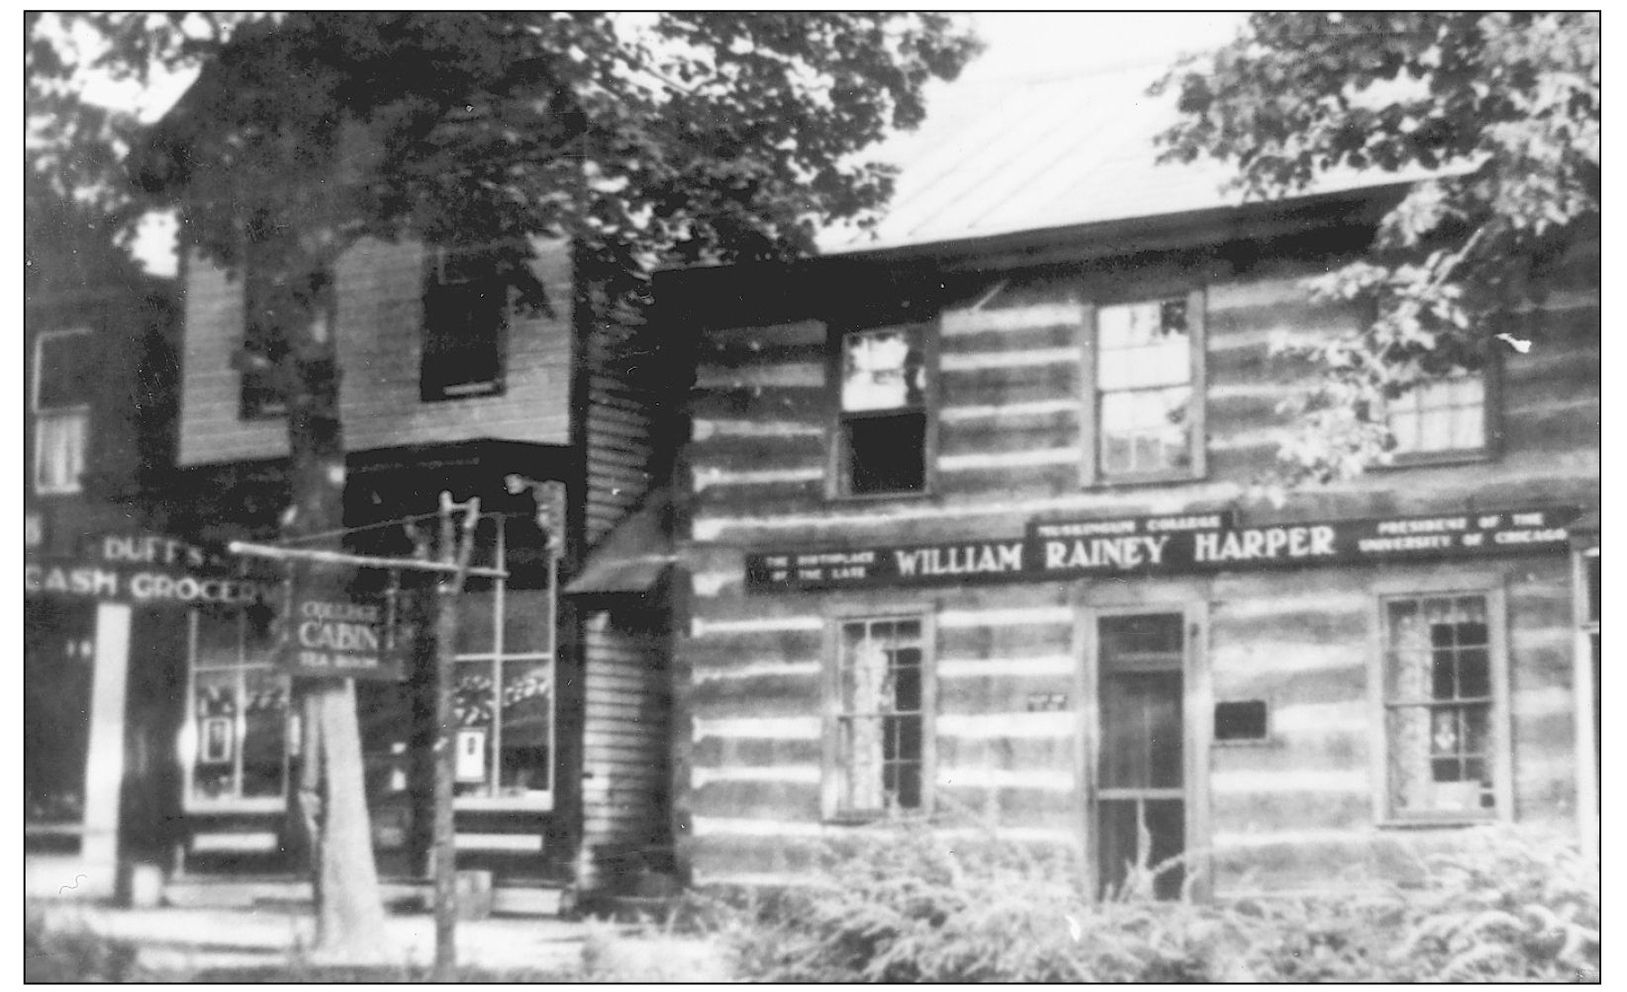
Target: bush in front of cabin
(909, 903)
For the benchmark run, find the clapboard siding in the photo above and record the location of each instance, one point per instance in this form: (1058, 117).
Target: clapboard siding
(380, 316)
(626, 703)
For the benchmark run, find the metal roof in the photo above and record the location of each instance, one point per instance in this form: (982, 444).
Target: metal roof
(1026, 154)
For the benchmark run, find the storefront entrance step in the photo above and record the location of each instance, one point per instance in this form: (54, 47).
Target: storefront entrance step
(404, 895)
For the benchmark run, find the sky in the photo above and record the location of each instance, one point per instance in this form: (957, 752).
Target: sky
(1018, 44)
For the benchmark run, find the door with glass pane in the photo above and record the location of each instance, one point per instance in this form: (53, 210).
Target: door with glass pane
(1139, 812)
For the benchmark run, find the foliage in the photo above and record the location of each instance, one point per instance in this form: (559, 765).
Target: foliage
(667, 136)
(911, 904)
(1500, 112)
(74, 953)
(679, 135)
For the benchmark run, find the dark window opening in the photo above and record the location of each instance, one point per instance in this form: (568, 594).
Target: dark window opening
(886, 454)
(466, 306)
(883, 412)
(263, 347)
(1241, 721)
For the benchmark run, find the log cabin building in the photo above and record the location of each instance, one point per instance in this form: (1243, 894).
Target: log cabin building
(969, 533)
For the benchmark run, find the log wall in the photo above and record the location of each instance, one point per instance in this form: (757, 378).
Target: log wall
(1280, 813)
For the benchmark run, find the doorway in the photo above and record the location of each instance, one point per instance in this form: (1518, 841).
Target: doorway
(1139, 815)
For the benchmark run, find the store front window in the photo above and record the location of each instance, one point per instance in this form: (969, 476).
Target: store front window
(239, 729)
(58, 662)
(503, 682)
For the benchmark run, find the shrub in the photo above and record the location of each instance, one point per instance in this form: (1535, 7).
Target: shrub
(73, 953)
(914, 904)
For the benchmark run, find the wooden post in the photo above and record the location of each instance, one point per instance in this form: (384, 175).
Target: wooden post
(446, 633)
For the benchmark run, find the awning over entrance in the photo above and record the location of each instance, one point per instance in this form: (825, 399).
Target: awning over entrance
(634, 557)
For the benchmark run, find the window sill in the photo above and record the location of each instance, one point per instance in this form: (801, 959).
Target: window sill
(1445, 822)
(542, 802)
(267, 804)
(871, 819)
(469, 391)
(904, 494)
(1433, 459)
(1137, 481)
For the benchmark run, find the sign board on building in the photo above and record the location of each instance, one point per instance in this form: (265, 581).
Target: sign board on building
(1179, 544)
(331, 637)
(145, 569)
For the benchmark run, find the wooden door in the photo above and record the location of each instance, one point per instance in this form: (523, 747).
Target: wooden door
(1140, 801)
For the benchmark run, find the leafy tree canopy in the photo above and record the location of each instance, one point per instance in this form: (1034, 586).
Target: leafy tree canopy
(677, 135)
(1502, 107)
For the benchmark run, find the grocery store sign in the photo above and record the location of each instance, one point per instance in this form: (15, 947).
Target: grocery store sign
(144, 569)
(1171, 544)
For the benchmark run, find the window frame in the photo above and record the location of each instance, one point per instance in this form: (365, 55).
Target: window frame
(831, 802)
(536, 800)
(1092, 603)
(1491, 379)
(1588, 619)
(1441, 584)
(192, 746)
(1090, 398)
(837, 486)
(44, 414)
(430, 388)
(273, 407)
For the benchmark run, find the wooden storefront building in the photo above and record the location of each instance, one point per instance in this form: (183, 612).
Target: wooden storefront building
(970, 532)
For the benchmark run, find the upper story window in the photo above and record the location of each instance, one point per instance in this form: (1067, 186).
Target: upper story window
(1440, 417)
(263, 345)
(64, 381)
(885, 420)
(466, 306)
(1145, 391)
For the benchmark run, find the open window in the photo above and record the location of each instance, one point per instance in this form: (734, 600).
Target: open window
(466, 308)
(1144, 391)
(64, 382)
(885, 428)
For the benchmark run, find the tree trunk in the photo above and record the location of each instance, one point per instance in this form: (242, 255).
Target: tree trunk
(349, 905)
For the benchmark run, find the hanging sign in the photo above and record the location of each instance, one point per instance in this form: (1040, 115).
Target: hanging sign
(1171, 544)
(145, 569)
(339, 637)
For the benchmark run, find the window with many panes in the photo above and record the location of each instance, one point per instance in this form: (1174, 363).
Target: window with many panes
(880, 725)
(1440, 699)
(885, 426)
(64, 381)
(1440, 417)
(238, 723)
(503, 680)
(466, 307)
(1145, 390)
